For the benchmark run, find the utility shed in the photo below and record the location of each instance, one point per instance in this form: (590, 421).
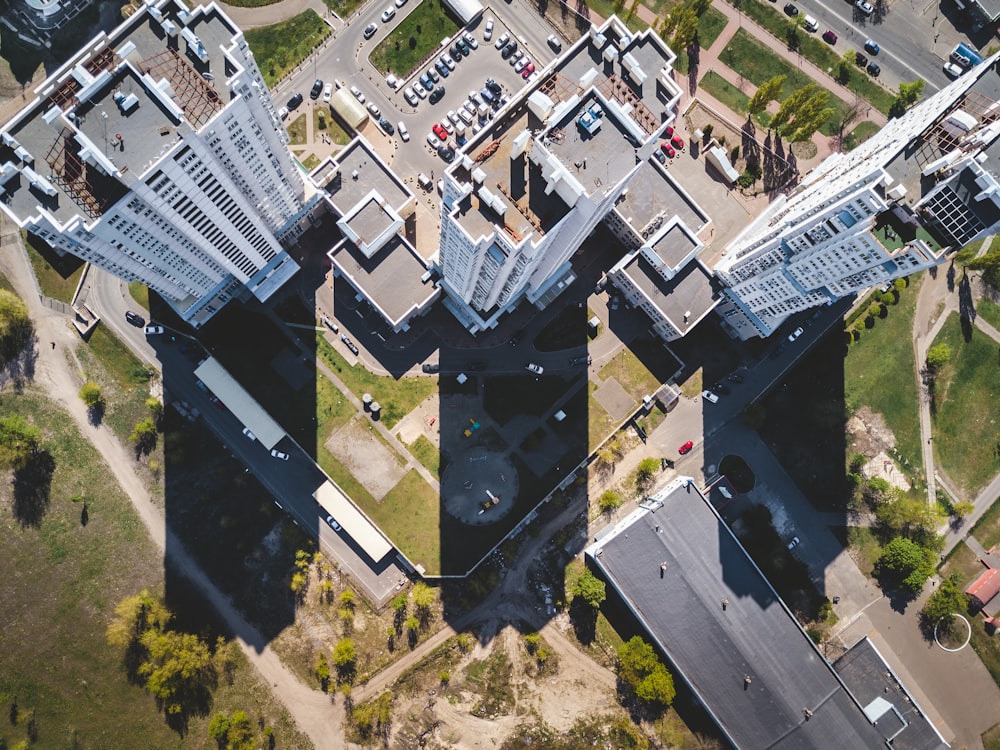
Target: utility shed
(348, 109)
(243, 406)
(716, 156)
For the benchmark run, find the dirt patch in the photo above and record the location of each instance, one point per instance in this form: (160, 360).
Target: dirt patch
(371, 461)
(421, 421)
(869, 434)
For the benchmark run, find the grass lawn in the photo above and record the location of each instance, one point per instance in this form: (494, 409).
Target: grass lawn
(282, 46)
(343, 8)
(884, 355)
(990, 311)
(968, 409)
(963, 561)
(413, 38)
(410, 515)
(325, 122)
(631, 374)
(140, 293)
(56, 659)
(991, 738)
(752, 59)
(987, 647)
(297, 130)
(599, 422)
(606, 8)
(508, 395)
(127, 369)
(860, 134)
(397, 397)
(57, 277)
(427, 454)
(725, 92)
(710, 25)
(310, 162)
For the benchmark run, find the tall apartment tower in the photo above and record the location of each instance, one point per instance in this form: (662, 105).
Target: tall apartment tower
(532, 187)
(874, 214)
(157, 154)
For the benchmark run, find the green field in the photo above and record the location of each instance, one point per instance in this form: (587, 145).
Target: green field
(324, 122)
(414, 38)
(967, 398)
(282, 46)
(879, 373)
(62, 581)
(427, 454)
(990, 311)
(752, 59)
(140, 293)
(725, 92)
(297, 131)
(56, 281)
(860, 134)
(631, 374)
(410, 515)
(710, 25)
(343, 8)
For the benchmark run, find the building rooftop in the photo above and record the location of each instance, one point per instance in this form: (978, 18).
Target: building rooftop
(360, 172)
(673, 567)
(684, 300)
(390, 279)
(885, 700)
(655, 196)
(371, 220)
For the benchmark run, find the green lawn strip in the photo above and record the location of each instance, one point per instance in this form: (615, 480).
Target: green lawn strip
(814, 49)
(324, 122)
(410, 515)
(599, 423)
(991, 738)
(413, 38)
(58, 283)
(631, 374)
(57, 661)
(127, 369)
(987, 647)
(140, 293)
(752, 59)
(427, 454)
(280, 47)
(343, 8)
(965, 562)
(710, 25)
(725, 92)
(987, 529)
(990, 311)
(251, 3)
(879, 373)
(860, 134)
(297, 131)
(967, 397)
(398, 397)
(6, 285)
(606, 9)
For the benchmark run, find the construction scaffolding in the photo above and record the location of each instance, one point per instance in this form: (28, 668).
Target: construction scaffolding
(70, 172)
(614, 88)
(192, 93)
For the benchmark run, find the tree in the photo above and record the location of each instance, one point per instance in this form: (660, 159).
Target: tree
(911, 517)
(19, 441)
(15, 326)
(322, 670)
(644, 474)
(878, 491)
(906, 563)
(641, 670)
(218, 729)
(179, 670)
(155, 407)
(766, 93)
(347, 599)
(91, 394)
(423, 596)
(989, 264)
(143, 435)
(344, 654)
(590, 589)
(846, 65)
(906, 97)
(610, 501)
(963, 509)
(937, 357)
(947, 600)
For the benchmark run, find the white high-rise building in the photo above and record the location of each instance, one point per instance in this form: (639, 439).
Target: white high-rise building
(530, 189)
(157, 154)
(891, 207)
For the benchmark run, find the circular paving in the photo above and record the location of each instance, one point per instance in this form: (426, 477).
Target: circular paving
(479, 487)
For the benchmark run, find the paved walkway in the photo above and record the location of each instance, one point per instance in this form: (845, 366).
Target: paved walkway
(252, 18)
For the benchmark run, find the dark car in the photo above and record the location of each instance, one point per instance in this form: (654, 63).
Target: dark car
(137, 320)
(735, 377)
(386, 126)
(509, 50)
(721, 389)
(446, 153)
(442, 68)
(493, 86)
(829, 36)
(791, 10)
(430, 367)
(317, 89)
(861, 59)
(660, 156)
(463, 46)
(874, 69)
(426, 82)
(294, 102)
(576, 361)
(436, 95)
(455, 52)
(871, 47)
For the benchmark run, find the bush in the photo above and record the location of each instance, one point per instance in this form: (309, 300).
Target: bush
(905, 563)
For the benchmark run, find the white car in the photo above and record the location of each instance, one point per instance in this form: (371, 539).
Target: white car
(283, 113)
(357, 94)
(374, 110)
(410, 97)
(246, 431)
(470, 40)
(519, 65)
(537, 369)
(392, 82)
(864, 6)
(449, 128)
(488, 30)
(446, 59)
(795, 334)
(710, 397)
(419, 90)
(327, 93)
(330, 519)
(403, 132)
(388, 14)
(475, 98)
(502, 40)
(453, 117)
(952, 70)
(465, 117)
(370, 30)
(400, 3)
(794, 543)
(278, 454)
(154, 330)
(433, 140)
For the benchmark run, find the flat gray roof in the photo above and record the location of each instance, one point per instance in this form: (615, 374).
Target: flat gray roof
(604, 158)
(370, 221)
(673, 568)
(346, 191)
(357, 525)
(390, 279)
(689, 292)
(239, 402)
(654, 194)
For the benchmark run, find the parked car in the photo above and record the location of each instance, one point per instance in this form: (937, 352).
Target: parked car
(386, 126)
(554, 42)
(348, 343)
(470, 40)
(327, 93)
(446, 153)
(357, 94)
(431, 367)
(448, 61)
(330, 324)
(952, 70)
(810, 24)
(370, 30)
(502, 40)
(442, 68)
(528, 70)
(829, 36)
(509, 50)
(278, 454)
(861, 59)
(873, 69)
(439, 131)
(388, 14)
(493, 86)
(519, 65)
(432, 75)
(426, 82)
(283, 113)
(488, 30)
(871, 47)
(330, 519)
(864, 6)
(294, 102)
(374, 110)
(404, 134)
(668, 149)
(686, 448)
(316, 90)
(677, 142)
(246, 431)
(135, 319)
(410, 96)
(154, 330)
(463, 47)
(436, 95)
(577, 361)
(793, 543)
(532, 367)
(709, 396)
(791, 10)
(795, 334)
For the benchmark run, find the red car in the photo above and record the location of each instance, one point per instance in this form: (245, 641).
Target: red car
(439, 131)
(528, 70)
(668, 132)
(677, 142)
(686, 448)
(667, 149)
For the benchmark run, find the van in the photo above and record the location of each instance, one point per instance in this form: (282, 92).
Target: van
(487, 95)
(483, 111)
(810, 23)
(424, 181)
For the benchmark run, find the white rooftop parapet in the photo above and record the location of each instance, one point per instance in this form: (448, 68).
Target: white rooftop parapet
(24, 155)
(194, 44)
(8, 139)
(8, 170)
(97, 83)
(91, 154)
(634, 69)
(37, 181)
(164, 93)
(520, 144)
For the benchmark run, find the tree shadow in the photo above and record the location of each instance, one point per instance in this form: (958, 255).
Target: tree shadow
(32, 488)
(966, 306)
(584, 619)
(95, 414)
(17, 364)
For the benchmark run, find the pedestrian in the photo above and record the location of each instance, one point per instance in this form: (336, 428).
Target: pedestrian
(746, 681)
(725, 603)
(53, 344)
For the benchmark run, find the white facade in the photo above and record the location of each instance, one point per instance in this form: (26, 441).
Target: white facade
(819, 243)
(193, 202)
